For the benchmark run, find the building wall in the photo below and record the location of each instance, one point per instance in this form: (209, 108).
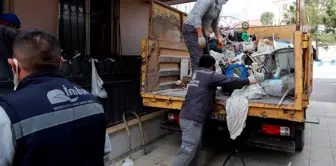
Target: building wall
(41, 14)
(134, 18)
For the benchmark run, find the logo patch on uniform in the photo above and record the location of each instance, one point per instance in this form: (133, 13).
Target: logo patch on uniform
(66, 95)
(194, 75)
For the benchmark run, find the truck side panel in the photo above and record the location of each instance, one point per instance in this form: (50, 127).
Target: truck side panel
(166, 23)
(282, 32)
(164, 48)
(163, 51)
(163, 61)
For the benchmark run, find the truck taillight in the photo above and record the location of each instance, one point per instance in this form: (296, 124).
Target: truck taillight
(276, 130)
(173, 117)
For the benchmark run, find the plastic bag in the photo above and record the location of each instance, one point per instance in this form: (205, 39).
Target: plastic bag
(254, 92)
(289, 81)
(127, 162)
(237, 108)
(236, 114)
(218, 57)
(248, 46)
(96, 82)
(278, 87)
(229, 55)
(237, 69)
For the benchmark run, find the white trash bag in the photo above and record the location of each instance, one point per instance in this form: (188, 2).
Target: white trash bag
(96, 82)
(254, 92)
(278, 87)
(236, 114)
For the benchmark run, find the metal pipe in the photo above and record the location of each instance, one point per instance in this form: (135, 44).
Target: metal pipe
(298, 10)
(140, 126)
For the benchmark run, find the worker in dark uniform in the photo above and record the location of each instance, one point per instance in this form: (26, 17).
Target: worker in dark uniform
(204, 14)
(9, 25)
(48, 121)
(198, 105)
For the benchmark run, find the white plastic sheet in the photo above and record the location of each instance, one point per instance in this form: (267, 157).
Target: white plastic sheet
(96, 82)
(237, 108)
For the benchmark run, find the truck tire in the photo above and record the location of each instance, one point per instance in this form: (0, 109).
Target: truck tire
(299, 140)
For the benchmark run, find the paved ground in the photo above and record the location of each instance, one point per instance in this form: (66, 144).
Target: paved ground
(319, 150)
(320, 140)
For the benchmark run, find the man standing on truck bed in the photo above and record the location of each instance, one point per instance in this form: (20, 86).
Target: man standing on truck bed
(48, 120)
(204, 14)
(198, 105)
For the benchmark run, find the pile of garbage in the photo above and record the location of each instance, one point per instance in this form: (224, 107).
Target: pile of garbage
(243, 56)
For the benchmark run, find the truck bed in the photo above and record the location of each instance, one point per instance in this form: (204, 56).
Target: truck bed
(222, 97)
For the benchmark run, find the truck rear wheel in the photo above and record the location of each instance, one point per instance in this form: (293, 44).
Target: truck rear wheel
(299, 139)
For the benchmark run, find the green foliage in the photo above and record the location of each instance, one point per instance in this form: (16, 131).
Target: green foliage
(322, 13)
(329, 17)
(289, 17)
(266, 18)
(326, 39)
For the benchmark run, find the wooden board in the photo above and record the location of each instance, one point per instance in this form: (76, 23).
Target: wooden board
(282, 32)
(169, 65)
(168, 79)
(163, 63)
(152, 66)
(166, 24)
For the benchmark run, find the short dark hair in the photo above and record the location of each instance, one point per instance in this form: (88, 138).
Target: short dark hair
(206, 61)
(37, 51)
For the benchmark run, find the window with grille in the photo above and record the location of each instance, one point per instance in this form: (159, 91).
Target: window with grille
(85, 27)
(72, 27)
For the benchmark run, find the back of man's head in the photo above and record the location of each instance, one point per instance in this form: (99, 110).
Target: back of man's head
(37, 51)
(207, 61)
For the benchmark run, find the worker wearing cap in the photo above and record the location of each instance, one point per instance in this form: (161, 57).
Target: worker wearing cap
(204, 14)
(10, 20)
(198, 105)
(49, 121)
(9, 23)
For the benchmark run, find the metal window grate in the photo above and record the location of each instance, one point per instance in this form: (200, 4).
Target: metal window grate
(72, 31)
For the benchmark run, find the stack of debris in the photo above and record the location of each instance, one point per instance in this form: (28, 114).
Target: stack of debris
(243, 56)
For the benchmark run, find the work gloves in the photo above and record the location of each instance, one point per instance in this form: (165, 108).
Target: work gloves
(220, 43)
(201, 41)
(257, 78)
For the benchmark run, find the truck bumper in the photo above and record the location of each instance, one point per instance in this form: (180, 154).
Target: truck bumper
(216, 131)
